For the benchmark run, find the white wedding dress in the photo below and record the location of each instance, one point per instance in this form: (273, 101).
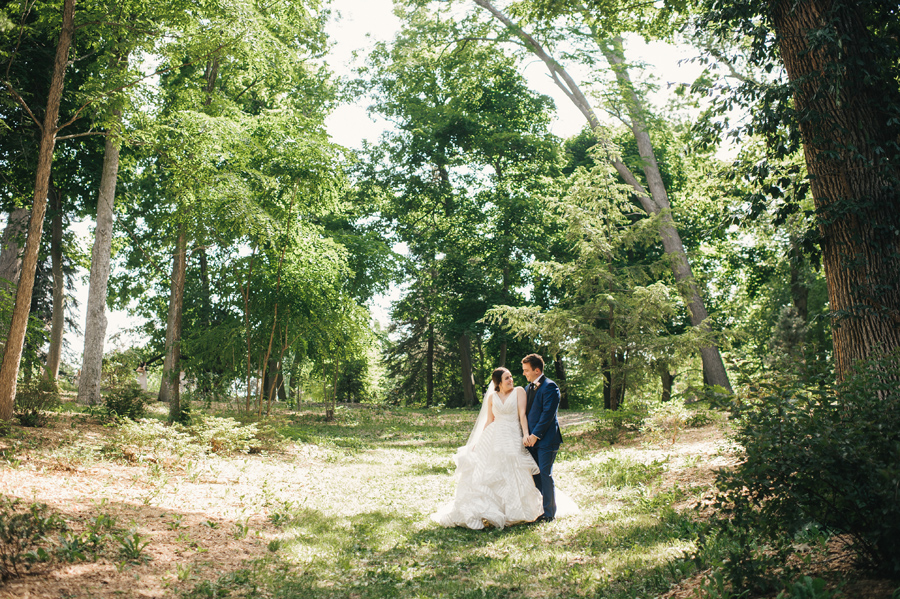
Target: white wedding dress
(494, 475)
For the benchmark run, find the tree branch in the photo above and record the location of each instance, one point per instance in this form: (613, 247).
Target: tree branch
(24, 104)
(85, 134)
(137, 81)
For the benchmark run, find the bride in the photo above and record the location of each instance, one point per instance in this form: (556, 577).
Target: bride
(494, 470)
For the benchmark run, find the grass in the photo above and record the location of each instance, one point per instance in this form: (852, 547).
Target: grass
(363, 528)
(342, 509)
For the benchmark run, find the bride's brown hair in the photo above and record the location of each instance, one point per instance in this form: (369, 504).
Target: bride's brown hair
(497, 377)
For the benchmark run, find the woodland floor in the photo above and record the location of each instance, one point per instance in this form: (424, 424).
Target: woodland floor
(341, 509)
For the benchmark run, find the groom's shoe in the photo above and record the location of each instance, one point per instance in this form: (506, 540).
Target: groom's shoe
(541, 518)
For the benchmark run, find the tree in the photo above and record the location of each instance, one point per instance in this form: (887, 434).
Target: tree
(602, 27)
(841, 99)
(612, 311)
(458, 188)
(12, 352)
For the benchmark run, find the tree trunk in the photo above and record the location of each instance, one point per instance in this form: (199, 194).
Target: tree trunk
(668, 380)
(560, 368)
(58, 319)
(11, 249)
(429, 368)
(613, 391)
(465, 362)
(799, 289)
(713, 367)
(847, 145)
(12, 353)
(656, 202)
(95, 313)
(170, 388)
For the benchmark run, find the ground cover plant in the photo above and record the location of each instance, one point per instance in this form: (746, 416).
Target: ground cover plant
(341, 508)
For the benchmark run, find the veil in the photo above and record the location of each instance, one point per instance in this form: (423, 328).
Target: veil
(481, 421)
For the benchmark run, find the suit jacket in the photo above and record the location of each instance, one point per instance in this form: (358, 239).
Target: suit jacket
(542, 415)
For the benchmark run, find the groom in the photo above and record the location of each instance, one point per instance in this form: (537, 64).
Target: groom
(542, 396)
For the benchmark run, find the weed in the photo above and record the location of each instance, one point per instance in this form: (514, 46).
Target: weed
(240, 529)
(282, 515)
(21, 529)
(622, 472)
(72, 548)
(132, 545)
(274, 545)
(176, 522)
(807, 588)
(714, 587)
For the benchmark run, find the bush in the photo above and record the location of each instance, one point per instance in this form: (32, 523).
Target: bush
(612, 424)
(21, 529)
(666, 421)
(126, 400)
(826, 455)
(34, 400)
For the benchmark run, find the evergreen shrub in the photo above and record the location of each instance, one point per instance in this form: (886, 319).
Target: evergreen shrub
(825, 455)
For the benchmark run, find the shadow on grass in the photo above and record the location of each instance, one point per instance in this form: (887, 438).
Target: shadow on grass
(382, 554)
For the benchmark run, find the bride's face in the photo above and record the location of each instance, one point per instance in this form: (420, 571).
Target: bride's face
(506, 383)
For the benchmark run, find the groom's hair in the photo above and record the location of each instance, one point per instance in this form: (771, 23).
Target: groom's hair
(535, 361)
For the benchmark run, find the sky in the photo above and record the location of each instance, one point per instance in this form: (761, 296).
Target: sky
(357, 26)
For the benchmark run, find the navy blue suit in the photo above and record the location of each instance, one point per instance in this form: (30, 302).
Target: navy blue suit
(542, 406)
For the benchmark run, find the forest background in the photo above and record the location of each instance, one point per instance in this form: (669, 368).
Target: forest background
(730, 243)
(494, 156)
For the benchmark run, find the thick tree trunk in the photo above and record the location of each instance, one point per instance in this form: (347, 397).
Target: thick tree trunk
(465, 362)
(12, 354)
(95, 313)
(654, 203)
(170, 388)
(11, 249)
(58, 318)
(847, 145)
(429, 367)
(560, 368)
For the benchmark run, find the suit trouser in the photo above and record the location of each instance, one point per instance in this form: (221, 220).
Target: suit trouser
(544, 456)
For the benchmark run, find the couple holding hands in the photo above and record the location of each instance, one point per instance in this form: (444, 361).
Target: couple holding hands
(504, 472)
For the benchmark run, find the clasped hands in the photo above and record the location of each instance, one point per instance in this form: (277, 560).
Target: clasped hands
(529, 441)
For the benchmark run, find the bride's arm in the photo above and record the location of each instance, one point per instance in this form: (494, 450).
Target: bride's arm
(523, 419)
(490, 411)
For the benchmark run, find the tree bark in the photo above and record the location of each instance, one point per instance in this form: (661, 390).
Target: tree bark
(847, 145)
(560, 367)
(95, 313)
(465, 362)
(11, 249)
(668, 380)
(58, 318)
(12, 353)
(429, 367)
(654, 203)
(170, 387)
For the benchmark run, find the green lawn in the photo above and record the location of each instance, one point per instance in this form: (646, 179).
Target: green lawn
(361, 526)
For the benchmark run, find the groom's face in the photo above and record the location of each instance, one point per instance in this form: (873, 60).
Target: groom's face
(530, 373)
